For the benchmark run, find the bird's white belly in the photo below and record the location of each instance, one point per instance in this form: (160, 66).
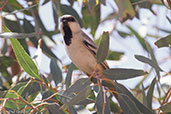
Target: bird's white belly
(82, 57)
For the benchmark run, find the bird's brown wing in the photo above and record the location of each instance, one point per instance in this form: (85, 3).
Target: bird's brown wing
(91, 46)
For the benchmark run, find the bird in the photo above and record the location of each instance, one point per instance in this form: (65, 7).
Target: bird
(80, 48)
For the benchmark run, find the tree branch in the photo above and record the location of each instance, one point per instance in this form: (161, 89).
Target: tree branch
(9, 35)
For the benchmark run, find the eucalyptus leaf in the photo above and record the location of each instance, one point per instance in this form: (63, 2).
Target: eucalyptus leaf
(164, 42)
(14, 105)
(121, 73)
(45, 1)
(150, 94)
(166, 108)
(148, 61)
(91, 15)
(126, 9)
(69, 75)
(24, 59)
(80, 96)
(114, 107)
(54, 109)
(5, 62)
(102, 51)
(127, 105)
(115, 55)
(139, 38)
(55, 71)
(72, 110)
(79, 85)
(65, 96)
(123, 90)
(15, 26)
(100, 100)
(168, 19)
(144, 96)
(86, 102)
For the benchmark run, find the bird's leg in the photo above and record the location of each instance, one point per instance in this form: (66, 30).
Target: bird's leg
(104, 97)
(94, 72)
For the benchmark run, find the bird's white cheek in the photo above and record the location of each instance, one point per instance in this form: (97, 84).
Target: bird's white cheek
(75, 27)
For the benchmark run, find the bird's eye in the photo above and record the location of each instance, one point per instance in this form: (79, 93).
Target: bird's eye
(68, 19)
(63, 19)
(71, 19)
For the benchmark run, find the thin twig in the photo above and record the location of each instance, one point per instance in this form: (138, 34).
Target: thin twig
(37, 28)
(10, 35)
(4, 5)
(139, 2)
(14, 12)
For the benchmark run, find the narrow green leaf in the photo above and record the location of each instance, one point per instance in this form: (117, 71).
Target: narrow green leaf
(45, 1)
(102, 2)
(123, 90)
(100, 100)
(11, 104)
(91, 15)
(115, 55)
(24, 59)
(48, 51)
(56, 17)
(139, 38)
(3, 93)
(65, 96)
(72, 110)
(4, 47)
(18, 86)
(29, 28)
(55, 71)
(153, 58)
(144, 96)
(14, 7)
(33, 96)
(47, 94)
(71, 2)
(102, 51)
(120, 73)
(80, 96)
(164, 42)
(127, 105)
(79, 85)
(114, 107)
(14, 26)
(69, 75)
(54, 109)
(123, 34)
(112, 15)
(166, 108)
(86, 102)
(126, 9)
(30, 89)
(168, 19)
(148, 61)
(168, 31)
(150, 94)
(5, 62)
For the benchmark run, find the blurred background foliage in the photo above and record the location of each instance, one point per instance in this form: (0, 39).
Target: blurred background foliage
(29, 88)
